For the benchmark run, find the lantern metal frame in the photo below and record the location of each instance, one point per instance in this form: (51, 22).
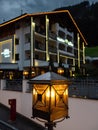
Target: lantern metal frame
(50, 107)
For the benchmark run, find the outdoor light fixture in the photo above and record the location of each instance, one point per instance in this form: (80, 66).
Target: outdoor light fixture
(25, 73)
(50, 98)
(60, 70)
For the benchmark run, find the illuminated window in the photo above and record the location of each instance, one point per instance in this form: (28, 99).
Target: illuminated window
(6, 51)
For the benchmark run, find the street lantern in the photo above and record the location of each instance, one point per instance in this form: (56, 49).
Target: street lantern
(50, 98)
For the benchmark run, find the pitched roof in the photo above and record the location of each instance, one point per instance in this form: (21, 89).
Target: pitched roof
(63, 16)
(48, 78)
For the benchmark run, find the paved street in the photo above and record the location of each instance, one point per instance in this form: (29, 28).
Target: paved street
(21, 122)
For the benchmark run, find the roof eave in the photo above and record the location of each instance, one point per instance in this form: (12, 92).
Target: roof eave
(46, 13)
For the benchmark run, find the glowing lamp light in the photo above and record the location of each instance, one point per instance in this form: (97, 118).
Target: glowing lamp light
(60, 39)
(50, 98)
(25, 73)
(50, 93)
(60, 70)
(65, 41)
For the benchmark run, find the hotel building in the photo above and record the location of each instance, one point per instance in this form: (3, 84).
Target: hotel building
(30, 41)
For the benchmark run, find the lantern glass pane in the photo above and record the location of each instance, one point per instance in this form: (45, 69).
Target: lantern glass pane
(60, 89)
(60, 109)
(34, 95)
(40, 88)
(61, 95)
(39, 97)
(50, 96)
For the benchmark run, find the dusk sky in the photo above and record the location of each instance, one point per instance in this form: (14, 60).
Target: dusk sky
(12, 8)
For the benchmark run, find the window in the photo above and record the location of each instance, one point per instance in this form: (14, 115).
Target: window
(69, 49)
(16, 41)
(36, 56)
(69, 38)
(16, 57)
(61, 47)
(61, 34)
(39, 55)
(70, 61)
(27, 54)
(27, 38)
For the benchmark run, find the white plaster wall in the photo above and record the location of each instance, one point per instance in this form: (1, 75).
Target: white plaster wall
(83, 115)
(23, 101)
(20, 33)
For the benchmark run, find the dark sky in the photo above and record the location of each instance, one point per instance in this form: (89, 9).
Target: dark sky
(12, 8)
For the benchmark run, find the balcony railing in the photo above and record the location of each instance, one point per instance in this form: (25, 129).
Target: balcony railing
(84, 88)
(62, 47)
(38, 56)
(14, 85)
(40, 30)
(52, 49)
(52, 35)
(40, 46)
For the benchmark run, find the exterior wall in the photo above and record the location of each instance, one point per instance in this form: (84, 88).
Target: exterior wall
(83, 112)
(83, 115)
(64, 52)
(23, 99)
(44, 44)
(22, 47)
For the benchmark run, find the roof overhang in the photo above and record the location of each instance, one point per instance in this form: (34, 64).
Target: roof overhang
(49, 78)
(62, 16)
(8, 66)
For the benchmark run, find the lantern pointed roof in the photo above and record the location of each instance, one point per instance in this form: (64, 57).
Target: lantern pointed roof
(49, 77)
